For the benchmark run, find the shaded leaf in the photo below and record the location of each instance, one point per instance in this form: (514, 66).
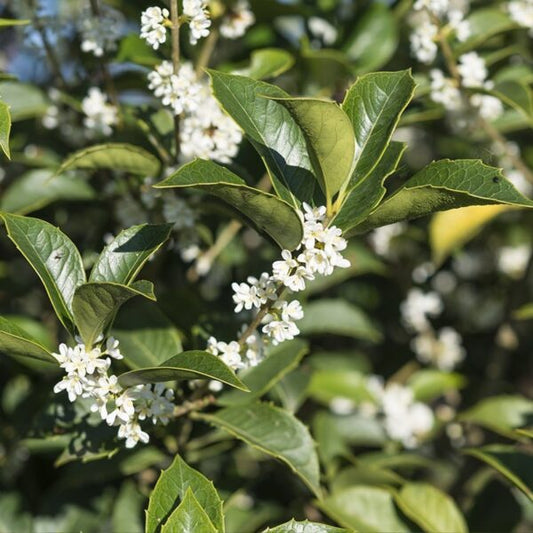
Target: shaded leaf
(517, 94)
(429, 384)
(5, 128)
(127, 509)
(267, 63)
(24, 100)
(329, 384)
(304, 527)
(188, 517)
(266, 211)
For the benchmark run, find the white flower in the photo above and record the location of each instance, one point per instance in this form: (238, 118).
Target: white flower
(132, 433)
(239, 18)
(290, 272)
(459, 24)
(445, 351)
(381, 238)
(99, 34)
(245, 296)
(73, 384)
(472, 69)
(513, 260)
(341, 406)
(99, 115)
(152, 28)
(418, 306)
(323, 30)
(230, 354)
(290, 311)
(199, 21)
(422, 37)
(521, 11)
(313, 214)
(279, 330)
(112, 349)
(489, 106)
(444, 91)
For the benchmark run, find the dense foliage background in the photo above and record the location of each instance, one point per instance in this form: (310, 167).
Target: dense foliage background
(413, 370)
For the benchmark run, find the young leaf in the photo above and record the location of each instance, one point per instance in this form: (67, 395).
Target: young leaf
(188, 517)
(433, 510)
(304, 527)
(515, 465)
(95, 305)
(116, 156)
(275, 432)
(267, 63)
(365, 508)
(122, 259)
(271, 130)
(330, 140)
(38, 188)
(193, 364)
(172, 486)
(261, 378)
(15, 342)
(445, 185)
(267, 212)
(5, 128)
(53, 256)
(374, 104)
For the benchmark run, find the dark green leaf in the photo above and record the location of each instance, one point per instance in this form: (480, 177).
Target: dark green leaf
(266, 211)
(171, 488)
(53, 256)
(267, 63)
(5, 128)
(275, 432)
(517, 94)
(193, 364)
(95, 305)
(123, 258)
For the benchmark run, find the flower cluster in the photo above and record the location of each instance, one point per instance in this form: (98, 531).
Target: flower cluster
(521, 11)
(198, 16)
(319, 253)
(87, 376)
(99, 114)
(237, 20)
(153, 26)
(100, 33)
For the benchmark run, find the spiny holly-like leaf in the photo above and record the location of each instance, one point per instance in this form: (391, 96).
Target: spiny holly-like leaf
(123, 258)
(171, 488)
(330, 140)
(5, 128)
(53, 256)
(271, 130)
(95, 305)
(115, 156)
(433, 510)
(189, 517)
(15, 342)
(375, 103)
(270, 214)
(193, 364)
(275, 432)
(267, 63)
(445, 185)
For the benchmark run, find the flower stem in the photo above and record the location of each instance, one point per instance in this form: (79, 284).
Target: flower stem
(175, 40)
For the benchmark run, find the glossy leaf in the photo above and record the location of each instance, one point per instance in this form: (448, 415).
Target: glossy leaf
(330, 140)
(271, 130)
(172, 486)
(123, 258)
(433, 510)
(514, 464)
(24, 100)
(261, 378)
(95, 305)
(17, 343)
(445, 185)
(270, 214)
(275, 432)
(304, 527)
(53, 256)
(364, 508)
(188, 517)
(38, 188)
(193, 364)
(267, 63)
(429, 384)
(374, 104)
(337, 317)
(5, 128)
(115, 156)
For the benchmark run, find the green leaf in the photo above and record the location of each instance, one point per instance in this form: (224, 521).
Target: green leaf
(127, 509)
(95, 305)
(24, 100)
(430, 384)
(188, 517)
(5, 128)
(115, 156)
(330, 140)
(261, 378)
(172, 486)
(123, 258)
(517, 94)
(133, 49)
(373, 40)
(445, 185)
(147, 337)
(374, 104)
(53, 256)
(365, 508)
(362, 474)
(304, 527)
(38, 188)
(515, 465)
(433, 510)
(267, 63)
(328, 384)
(525, 312)
(271, 130)
(193, 364)
(367, 193)
(501, 414)
(13, 22)
(266, 211)
(15, 342)
(275, 432)
(337, 317)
